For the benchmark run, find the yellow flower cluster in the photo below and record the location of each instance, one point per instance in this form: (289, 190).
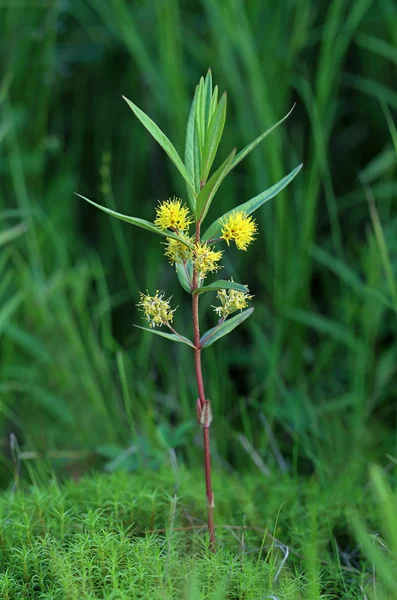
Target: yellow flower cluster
(172, 214)
(239, 227)
(205, 260)
(231, 300)
(176, 251)
(157, 311)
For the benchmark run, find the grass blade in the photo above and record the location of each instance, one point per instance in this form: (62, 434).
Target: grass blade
(336, 331)
(11, 233)
(348, 276)
(8, 308)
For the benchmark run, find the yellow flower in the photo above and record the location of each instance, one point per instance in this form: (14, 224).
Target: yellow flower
(172, 214)
(157, 311)
(205, 260)
(239, 227)
(231, 300)
(176, 251)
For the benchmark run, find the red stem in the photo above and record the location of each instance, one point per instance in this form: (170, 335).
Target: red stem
(201, 393)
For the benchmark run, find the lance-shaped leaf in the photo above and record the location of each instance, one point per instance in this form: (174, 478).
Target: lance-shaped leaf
(208, 192)
(138, 222)
(222, 285)
(243, 153)
(213, 137)
(169, 336)
(162, 139)
(201, 126)
(184, 273)
(213, 232)
(207, 97)
(192, 153)
(214, 101)
(214, 334)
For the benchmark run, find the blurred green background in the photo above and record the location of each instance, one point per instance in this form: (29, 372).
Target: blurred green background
(308, 384)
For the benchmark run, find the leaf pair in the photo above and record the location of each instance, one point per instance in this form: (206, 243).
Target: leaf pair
(210, 336)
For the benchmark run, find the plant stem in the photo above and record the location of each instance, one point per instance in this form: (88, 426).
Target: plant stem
(202, 402)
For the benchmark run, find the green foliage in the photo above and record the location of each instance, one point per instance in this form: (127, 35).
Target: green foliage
(214, 334)
(11, 233)
(137, 222)
(203, 135)
(162, 139)
(209, 190)
(302, 397)
(122, 536)
(379, 540)
(170, 336)
(221, 285)
(251, 205)
(184, 273)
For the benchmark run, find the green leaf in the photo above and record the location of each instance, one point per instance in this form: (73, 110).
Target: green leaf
(243, 153)
(183, 271)
(200, 117)
(214, 334)
(162, 139)
(192, 154)
(214, 101)
(213, 137)
(207, 98)
(222, 285)
(170, 336)
(249, 207)
(138, 222)
(208, 192)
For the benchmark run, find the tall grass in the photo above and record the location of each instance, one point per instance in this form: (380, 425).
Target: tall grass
(309, 385)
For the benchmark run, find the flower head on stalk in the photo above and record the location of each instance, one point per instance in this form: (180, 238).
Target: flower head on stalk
(157, 311)
(239, 227)
(178, 252)
(231, 300)
(172, 214)
(205, 260)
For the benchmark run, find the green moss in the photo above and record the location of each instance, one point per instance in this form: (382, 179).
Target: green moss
(130, 536)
